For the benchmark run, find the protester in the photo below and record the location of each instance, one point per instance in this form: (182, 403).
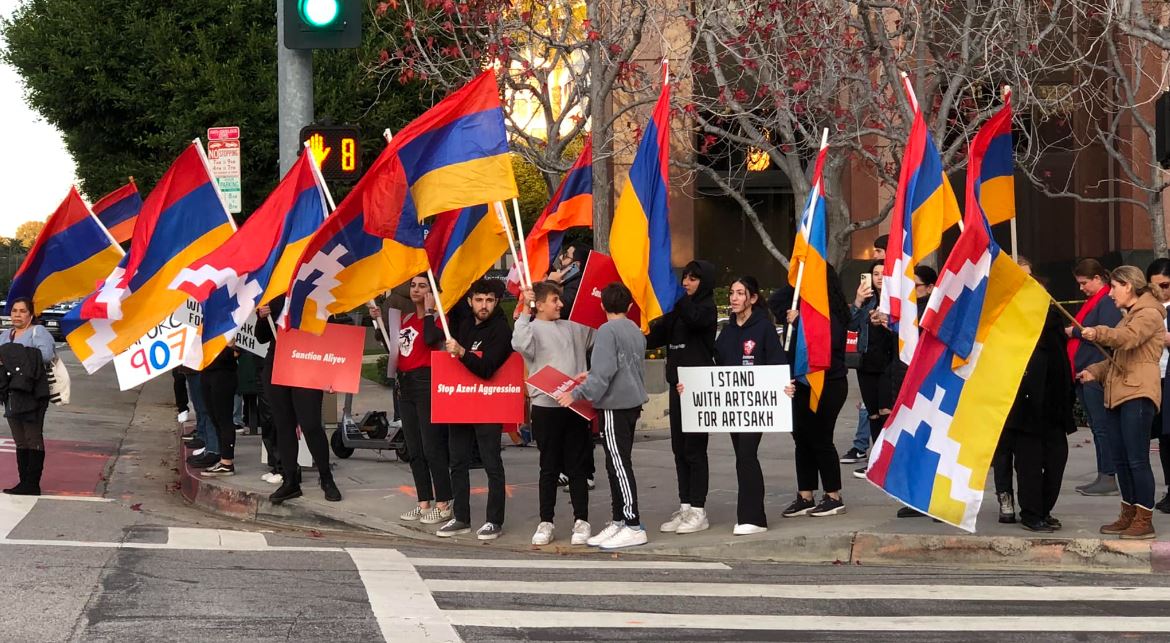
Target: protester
(182, 401)
(293, 407)
(688, 333)
(615, 385)
(748, 340)
(1158, 274)
(565, 438)
(219, 382)
(1002, 459)
(205, 442)
(1099, 310)
(482, 342)
(879, 247)
(429, 449)
(816, 457)
(878, 348)
(570, 265)
(26, 353)
(1133, 392)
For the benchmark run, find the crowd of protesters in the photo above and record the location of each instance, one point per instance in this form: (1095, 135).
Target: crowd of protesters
(1111, 360)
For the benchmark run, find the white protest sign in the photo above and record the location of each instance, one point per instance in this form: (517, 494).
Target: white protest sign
(162, 348)
(192, 315)
(735, 399)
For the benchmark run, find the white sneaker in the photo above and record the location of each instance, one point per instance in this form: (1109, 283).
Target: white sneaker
(676, 519)
(694, 520)
(747, 530)
(183, 415)
(544, 534)
(580, 533)
(412, 515)
(611, 528)
(267, 476)
(627, 537)
(275, 478)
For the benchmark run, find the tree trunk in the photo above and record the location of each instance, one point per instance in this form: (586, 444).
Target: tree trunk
(602, 139)
(1157, 223)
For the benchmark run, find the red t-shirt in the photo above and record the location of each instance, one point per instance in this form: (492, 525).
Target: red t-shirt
(413, 352)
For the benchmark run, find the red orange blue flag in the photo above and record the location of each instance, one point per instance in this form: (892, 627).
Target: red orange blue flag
(571, 206)
(118, 211)
(639, 238)
(991, 167)
(72, 253)
(461, 246)
(924, 207)
(808, 274)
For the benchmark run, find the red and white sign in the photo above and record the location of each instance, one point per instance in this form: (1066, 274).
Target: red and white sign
(459, 397)
(600, 272)
(331, 361)
(223, 133)
(552, 382)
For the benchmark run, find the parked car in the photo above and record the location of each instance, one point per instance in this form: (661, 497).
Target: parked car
(50, 318)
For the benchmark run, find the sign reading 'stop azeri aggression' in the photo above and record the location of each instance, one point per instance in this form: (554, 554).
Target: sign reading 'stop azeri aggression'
(735, 399)
(459, 397)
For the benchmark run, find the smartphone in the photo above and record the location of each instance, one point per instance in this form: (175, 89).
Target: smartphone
(572, 271)
(867, 280)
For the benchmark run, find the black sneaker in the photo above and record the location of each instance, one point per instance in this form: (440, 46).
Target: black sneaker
(1040, 526)
(799, 507)
(203, 460)
(187, 437)
(332, 494)
(1054, 523)
(1163, 505)
(194, 444)
(859, 473)
(287, 491)
(853, 456)
(220, 469)
(489, 531)
(829, 506)
(453, 528)
(910, 512)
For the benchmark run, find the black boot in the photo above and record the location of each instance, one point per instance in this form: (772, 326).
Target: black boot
(35, 464)
(289, 488)
(21, 470)
(332, 493)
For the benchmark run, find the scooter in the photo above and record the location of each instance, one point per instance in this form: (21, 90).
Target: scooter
(374, 431)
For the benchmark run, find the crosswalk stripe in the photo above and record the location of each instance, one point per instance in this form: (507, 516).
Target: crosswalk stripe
(820, 592)
(191, 538)
(539, 619)
(13, 509)
(559, 563)
(402, 605)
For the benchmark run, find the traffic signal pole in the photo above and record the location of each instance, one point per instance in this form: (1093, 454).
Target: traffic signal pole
(294, 92)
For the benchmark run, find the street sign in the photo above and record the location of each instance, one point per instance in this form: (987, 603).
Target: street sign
(224, 155)
(338, 150)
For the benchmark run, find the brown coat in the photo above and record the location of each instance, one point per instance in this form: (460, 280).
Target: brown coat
(1137, 347)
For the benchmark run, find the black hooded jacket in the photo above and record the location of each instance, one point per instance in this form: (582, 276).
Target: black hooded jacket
(492, 340)
(688, 331)
(753, 344)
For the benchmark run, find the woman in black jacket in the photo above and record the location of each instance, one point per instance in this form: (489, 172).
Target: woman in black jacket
(688, 333)
(877, 347)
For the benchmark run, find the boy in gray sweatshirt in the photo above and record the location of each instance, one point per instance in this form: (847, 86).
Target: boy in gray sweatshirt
(615, 385)
(565, 438)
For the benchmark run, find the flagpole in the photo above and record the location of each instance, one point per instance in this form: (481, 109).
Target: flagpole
(812, 207)
(511, 245)
(1076, 324)
(438, 302)
(527, 272)
(215, 184)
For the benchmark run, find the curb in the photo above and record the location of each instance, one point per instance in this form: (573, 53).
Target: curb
(859, 548)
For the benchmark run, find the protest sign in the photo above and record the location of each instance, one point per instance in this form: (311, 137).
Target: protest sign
(331, 361)
(552, 382)
(161, 349)
(192, 315)
(735, 399)
(600, 271)
(459, 397)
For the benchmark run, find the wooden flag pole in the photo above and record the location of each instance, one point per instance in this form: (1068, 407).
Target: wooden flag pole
(1076, 324)
(511, 245)
(439, 303)
(526, 274)
(812, 208)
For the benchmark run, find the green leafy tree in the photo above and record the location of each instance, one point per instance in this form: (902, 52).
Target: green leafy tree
(130, 82)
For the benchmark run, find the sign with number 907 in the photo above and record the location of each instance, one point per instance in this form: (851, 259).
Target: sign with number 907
(163, 348)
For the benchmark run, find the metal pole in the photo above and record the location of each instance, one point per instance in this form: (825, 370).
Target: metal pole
(294, 93)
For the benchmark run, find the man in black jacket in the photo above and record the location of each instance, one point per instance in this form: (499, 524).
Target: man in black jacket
(482, 342)
(688, 333)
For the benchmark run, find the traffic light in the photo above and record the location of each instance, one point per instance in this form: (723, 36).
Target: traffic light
(322, 24)
(338, 150)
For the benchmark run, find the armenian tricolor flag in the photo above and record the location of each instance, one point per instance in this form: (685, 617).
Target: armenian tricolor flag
(639, 239)
(462, 246)
(809, 268)
(118, 211)
(571, 206)
(71, 254)
(991, 165)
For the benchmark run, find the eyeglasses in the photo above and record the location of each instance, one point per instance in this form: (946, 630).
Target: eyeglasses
(918, 285)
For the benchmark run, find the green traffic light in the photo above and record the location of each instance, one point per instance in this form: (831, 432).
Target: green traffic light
(319, 13)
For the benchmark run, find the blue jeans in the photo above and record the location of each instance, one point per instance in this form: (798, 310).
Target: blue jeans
(238, 410)
(203, 425)
(1131, 450)
(861, 438)
(1092, 397)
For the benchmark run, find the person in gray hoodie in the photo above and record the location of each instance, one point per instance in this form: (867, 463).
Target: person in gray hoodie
(565, 438)
(615, 385)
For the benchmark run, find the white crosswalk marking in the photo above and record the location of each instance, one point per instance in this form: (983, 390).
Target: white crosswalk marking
(404, 607)
(13, 509)
(188, 538)
(563, 563)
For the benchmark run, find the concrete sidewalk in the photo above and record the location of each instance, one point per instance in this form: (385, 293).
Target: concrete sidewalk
(377, 488)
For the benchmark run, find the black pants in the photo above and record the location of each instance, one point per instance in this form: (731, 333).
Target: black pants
(427, 444)
(28, 429)
(180, 384)
(816, 457)
(566, 442)
(1040, 460)
(750, 506)
(485, 437)
(267, 431)
(617, 432)
(293, 407)
(219, 394)
(1001, 464)
(875, 395)
(690, 457)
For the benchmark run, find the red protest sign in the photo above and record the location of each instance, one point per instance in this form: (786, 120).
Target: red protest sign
(552, 382)
(600, 272)
(459, 397)
(331, 361)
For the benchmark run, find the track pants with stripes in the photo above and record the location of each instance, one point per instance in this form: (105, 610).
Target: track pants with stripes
(617, 432)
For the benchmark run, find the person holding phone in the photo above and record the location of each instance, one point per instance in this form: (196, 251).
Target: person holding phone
(878, 347)
(569, 265)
